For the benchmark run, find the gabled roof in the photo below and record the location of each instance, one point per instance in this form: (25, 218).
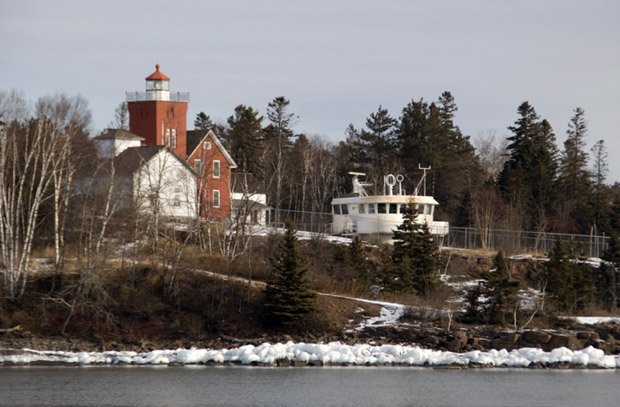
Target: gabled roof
(195, 137)
(118, 134)
(130, 160)
(157, 75)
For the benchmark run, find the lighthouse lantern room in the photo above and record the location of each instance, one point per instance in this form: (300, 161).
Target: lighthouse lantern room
(158, 115)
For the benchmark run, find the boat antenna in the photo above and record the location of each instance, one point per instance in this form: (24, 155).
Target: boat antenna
(400, 178)
(422, 180)
(358, 187)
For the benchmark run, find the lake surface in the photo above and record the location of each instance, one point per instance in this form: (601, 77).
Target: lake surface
(326, 386)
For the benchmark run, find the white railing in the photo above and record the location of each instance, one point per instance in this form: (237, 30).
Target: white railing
(145, 96)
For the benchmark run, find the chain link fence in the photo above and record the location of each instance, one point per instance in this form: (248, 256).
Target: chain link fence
(510, 241)
(515, 241)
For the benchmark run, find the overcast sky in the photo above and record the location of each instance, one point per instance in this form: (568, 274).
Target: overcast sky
(337, 61)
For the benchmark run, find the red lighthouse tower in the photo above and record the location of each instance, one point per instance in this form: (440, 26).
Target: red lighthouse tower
(158, 115)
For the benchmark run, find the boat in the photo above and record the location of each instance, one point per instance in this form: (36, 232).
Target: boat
(375, 217)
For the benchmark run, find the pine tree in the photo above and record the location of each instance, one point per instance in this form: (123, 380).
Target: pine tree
(414, 259)
(500, 295)
(245, 140)
(287, 296)
(559, 276)
(426, 135)
(278, 143)
(606, 281)
(355, 258)
(528, 176)
(602, 214)
(501, 291)
(378, 143)
(574, 185)
(203, 122)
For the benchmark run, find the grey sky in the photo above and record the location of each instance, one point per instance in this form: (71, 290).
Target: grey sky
(336, 60)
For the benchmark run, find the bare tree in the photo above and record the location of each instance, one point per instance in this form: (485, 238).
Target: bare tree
(72, 116)
(121, 117)
(486, 206)
(491, 151)
(27, 155)
(13, 106)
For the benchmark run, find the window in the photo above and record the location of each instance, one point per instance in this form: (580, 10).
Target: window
(176, 196)
(403, 208)
(371, 208)
(344, 209)
(216, 198)
(167, 141)
(381, 208)
(174, 138)
(362, 208)
(206, 145)
(216, 169)
(393, 208)
(198, 166)
(336, 209)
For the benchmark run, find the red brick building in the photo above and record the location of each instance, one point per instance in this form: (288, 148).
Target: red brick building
(160, 117)
(208, 157)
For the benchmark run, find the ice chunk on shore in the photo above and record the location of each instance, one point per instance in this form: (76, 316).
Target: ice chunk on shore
(334, 353)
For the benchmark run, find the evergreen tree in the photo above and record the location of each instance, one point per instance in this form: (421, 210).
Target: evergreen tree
(574, 185)
(377, 142)
(500, 295)
(203, 122)
(602, 213)
(414, 258)
(245, 139)
(278, 143)
(606, 281)
(570, 284)
(356, 259)
(559, 277)
(528, 176)
(501, 291)
(287, 296)
(426, 135)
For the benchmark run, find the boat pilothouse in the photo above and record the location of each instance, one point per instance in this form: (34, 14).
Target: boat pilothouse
(364, 214)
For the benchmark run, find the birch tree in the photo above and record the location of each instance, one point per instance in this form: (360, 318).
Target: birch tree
(27, 155)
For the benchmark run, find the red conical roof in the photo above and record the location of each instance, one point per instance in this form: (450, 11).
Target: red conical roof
(157, 75)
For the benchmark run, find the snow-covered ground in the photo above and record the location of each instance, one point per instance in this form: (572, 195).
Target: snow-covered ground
(594, 320)
(334, 353)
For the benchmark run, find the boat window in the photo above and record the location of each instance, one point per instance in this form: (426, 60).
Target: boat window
(393, 208)
(336, 209)
(344, 209)
(427, 209)
(371, 208)
(362, 208)
(381, 208)
(403, 208)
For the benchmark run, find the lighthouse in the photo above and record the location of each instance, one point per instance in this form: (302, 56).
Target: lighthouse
(159, 115)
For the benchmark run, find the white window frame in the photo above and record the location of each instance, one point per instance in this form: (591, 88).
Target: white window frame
(206, 145)
(217, 169)
(174, 138)
(176, 196)
(167, 141)
(198, 165)
(216, 198)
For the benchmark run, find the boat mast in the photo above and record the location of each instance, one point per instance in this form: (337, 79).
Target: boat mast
(422, 180)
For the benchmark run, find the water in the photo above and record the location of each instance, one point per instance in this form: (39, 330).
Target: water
(350, 386)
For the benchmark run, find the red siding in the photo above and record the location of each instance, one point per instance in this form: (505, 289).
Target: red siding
(208, 183)
(151, 118)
